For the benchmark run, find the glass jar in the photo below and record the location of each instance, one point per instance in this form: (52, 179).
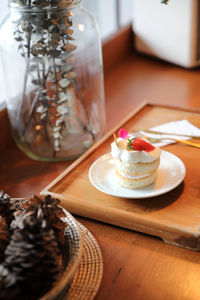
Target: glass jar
(52, 64)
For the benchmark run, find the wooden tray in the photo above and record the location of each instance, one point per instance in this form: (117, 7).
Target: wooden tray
(174, 216)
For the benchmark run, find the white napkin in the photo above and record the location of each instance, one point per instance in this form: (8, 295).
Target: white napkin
(176, 127)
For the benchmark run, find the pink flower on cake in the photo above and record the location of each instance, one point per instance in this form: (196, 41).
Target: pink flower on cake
(123, 133)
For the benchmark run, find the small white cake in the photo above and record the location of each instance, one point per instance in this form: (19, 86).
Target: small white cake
(136, 161)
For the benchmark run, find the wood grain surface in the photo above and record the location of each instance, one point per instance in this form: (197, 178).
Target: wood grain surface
(136, 266)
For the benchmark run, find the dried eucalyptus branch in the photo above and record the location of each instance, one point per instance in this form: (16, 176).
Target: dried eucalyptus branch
(45, 41)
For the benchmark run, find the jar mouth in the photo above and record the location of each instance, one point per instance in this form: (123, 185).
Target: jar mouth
(67, 4)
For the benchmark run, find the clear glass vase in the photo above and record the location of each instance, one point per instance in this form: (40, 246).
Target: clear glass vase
(52, 64)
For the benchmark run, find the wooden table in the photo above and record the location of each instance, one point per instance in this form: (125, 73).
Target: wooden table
(136, 266)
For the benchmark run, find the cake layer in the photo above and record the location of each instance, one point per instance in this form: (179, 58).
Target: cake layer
(135, 176)
(135, 183)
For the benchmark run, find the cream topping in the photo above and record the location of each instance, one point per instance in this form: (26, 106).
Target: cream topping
(120, 151)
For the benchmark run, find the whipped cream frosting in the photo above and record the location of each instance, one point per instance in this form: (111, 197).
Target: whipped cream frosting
(132, 156)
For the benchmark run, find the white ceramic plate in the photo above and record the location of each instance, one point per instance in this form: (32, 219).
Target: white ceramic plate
(171, 173)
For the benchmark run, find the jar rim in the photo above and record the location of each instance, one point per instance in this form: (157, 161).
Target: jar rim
(67, 4)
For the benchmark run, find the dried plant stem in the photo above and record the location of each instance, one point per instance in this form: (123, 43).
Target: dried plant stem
(77, 89)
(28, 120)
(45, 130)
(32, 109)
(23, 97)
(26, 78)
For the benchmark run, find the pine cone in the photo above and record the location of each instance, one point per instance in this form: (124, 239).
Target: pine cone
(4, 237)
(4, 203)
(32, 259)
(52, 213)
(33, 253)
(8, 287)
(9, 206)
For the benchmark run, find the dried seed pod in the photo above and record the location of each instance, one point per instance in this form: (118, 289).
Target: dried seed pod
(8, 206)
(4, 203)
(8, 287)
(33, 256)
(31, 249)
(4, 237)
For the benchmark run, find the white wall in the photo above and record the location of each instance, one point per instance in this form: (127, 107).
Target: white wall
(3, 9)
(104, 11)
(126, 12)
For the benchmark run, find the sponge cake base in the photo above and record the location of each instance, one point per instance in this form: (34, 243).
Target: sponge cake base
(135, 183)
